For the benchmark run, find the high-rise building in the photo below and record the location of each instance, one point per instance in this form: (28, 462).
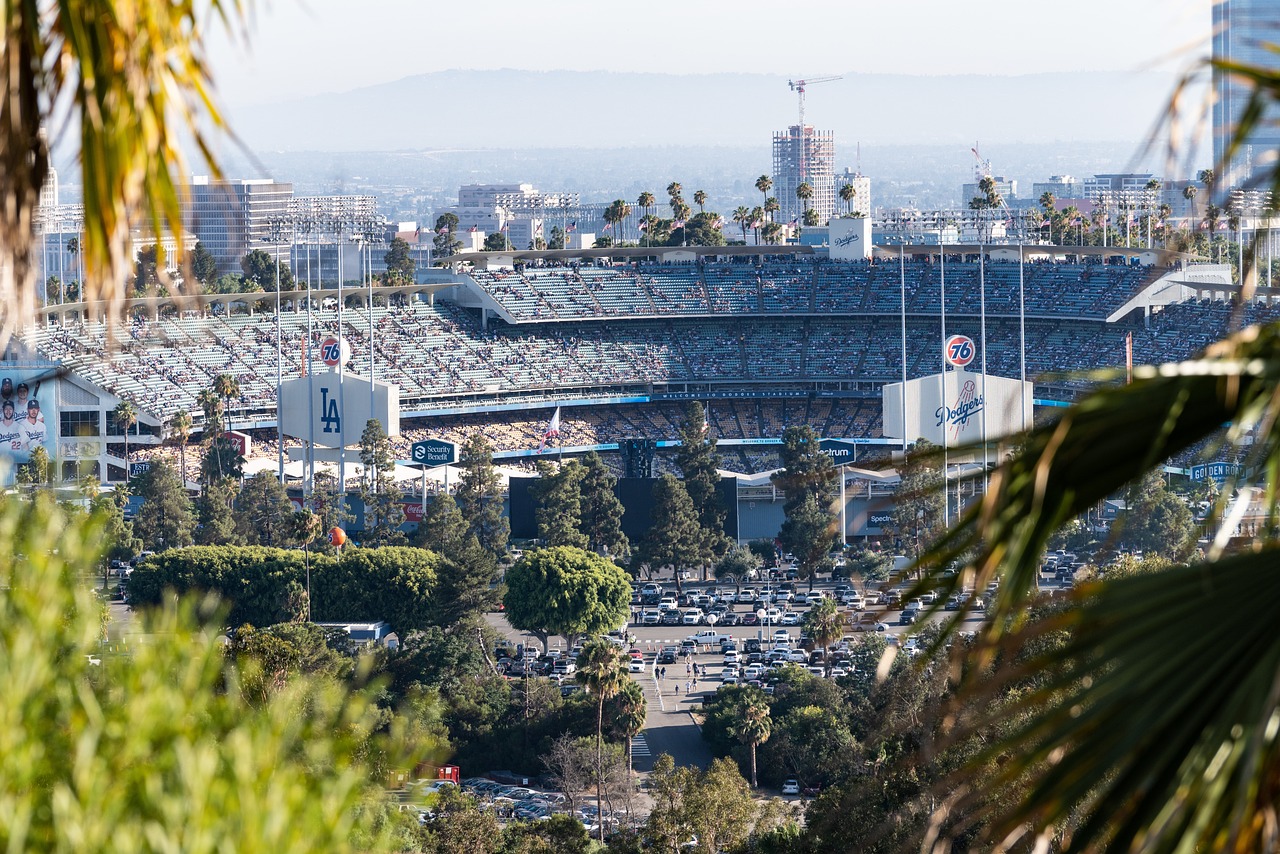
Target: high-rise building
(804, 155)
(861, 201)
(1242, 32)
(232, 218)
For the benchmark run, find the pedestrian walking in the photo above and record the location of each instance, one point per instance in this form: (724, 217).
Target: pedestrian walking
(688, 687)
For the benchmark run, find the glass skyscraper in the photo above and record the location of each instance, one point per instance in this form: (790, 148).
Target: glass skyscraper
(1243, 31)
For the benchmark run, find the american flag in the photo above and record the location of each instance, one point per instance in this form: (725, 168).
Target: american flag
(553, 431)
(471, 230)
(444, 229)
(644, 226)
(608, 226)
(573, 226)
(678, 224)
(719, 223)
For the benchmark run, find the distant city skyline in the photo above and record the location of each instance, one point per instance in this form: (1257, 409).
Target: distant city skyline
(297, 49)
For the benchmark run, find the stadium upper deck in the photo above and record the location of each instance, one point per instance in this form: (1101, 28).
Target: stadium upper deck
(805, 286)
(825, 327)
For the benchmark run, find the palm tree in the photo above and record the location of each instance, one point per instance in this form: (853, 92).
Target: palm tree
(742, 216)
(631, 715)
(764, 184)
(646, 201)
(804, 192)
(180, 427)
(73, 249)
(674, 189)
(120, 67)
(771, 207)
(757, 219)
(754, 729)
(126, 415)
(624, 213)
(700, 199)
(211, 405)
(847, 195)
(226, 387)
(602, 671)
(826, 625)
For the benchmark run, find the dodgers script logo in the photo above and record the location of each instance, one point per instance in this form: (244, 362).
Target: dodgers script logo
(968, 404)
(848, 240)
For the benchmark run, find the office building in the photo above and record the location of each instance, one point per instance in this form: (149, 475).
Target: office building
(1242, 33)
(231, 218)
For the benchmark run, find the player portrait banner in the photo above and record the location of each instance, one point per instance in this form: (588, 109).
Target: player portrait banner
(28, 413)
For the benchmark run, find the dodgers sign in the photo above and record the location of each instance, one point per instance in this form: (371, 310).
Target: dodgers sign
(321, 408)
(433, 452)
(959, 350)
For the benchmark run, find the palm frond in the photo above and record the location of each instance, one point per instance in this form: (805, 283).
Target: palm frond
(1160, 716)
(1108, 439)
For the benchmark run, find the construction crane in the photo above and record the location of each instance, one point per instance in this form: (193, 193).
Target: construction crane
(798, 86)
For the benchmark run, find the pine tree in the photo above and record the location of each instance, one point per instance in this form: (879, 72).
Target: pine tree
(699, 462)
(808, 477)
(216, 517)
(917, 512)
(602, 511)
(166, 520)
(558, 496)
(675, 537)
(464, 582)
(480, 496)
(383, 514)
(265, 514)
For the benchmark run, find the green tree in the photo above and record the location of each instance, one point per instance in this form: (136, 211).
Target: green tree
(265, 512)
(383, 513)
(166, 519)
(204, 267)
(125, 415)
(118, 541)
(804, 192)
(260, 271)
(918, 500)
(847, 194)
(211, 406)
(699, 463)
(764, 184)
(446, 243)
(810, 532)
(721, 807)
(1157, 521)
(738, 564)
(495, 242)
(566, 591)
(675, 536)
(629, 716)
(602, 671)
(466, 576)
(146, 272)
(217, 523)
(226, 387)
(558, 497)
(602, 510)
(754, 729)
(700, 199)
(36, 470)
(401, 267)
(811, 219)
(180, 430)
(70, 770)
(480, 496)
(742, 216)
(826, 625)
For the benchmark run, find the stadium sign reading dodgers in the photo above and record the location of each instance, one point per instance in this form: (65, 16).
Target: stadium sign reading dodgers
(967, 405)
(319, 407)
(956, 408)
(848, 238)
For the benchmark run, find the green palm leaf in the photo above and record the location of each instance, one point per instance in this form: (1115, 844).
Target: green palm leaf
(1159, 719)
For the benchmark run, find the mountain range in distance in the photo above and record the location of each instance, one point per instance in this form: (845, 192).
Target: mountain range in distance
(509, 109)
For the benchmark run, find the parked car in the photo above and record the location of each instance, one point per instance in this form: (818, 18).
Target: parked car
(670, 618)
(791, 786)
(637, 665)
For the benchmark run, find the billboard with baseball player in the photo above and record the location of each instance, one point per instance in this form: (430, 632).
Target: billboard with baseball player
(28, 418)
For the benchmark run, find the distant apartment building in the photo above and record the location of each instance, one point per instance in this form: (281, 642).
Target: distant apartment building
(1061, 186)
(1243, 30)
(1006, 187)
(802, 155)
(233, 217)
(861, 191)
(520, 211)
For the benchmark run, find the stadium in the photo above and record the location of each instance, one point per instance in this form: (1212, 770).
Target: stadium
(619, 340)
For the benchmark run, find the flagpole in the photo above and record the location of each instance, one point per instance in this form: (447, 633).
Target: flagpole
(1022, 336)
(942, 378)
(902, 296)
(982, 301)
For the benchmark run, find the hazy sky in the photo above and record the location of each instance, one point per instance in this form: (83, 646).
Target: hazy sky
(301, 47)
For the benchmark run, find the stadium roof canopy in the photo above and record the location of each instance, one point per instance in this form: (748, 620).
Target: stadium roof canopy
(622, 253)
(1039, 252)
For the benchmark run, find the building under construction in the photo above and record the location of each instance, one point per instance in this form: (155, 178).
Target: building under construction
(804, 155)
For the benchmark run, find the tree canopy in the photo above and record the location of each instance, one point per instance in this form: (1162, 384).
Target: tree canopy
(568, 592)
